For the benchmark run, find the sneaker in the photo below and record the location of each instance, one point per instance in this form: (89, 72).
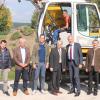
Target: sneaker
(6, 92)
(43, 92)
(34, 92)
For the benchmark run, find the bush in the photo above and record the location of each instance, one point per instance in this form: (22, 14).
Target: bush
(15, 36)
(4, 32)
(27, 31)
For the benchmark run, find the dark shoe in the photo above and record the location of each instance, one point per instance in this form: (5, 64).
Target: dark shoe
(57, 91)
(26, 92)
(89, 92)
(77, 94)
(7, 93)
(54, 93)
(95, 93)
(14, 93)
(71, 91)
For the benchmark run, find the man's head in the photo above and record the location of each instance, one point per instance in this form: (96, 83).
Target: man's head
(95, 43)
(65, 13)
(22, 42)
(3, 44)
(59, 44)
(70, 39)
(42, 38)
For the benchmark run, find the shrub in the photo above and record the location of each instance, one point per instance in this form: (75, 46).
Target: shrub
(15, 36)
(27, 31)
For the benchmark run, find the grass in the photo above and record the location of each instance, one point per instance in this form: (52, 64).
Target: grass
(2, 37)
(11, 75)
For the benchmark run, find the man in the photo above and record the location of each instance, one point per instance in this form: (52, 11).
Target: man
(93, 67)
(5, 65)
(57, 62)
(21, 55)
(74, 62)
(40, 59)
(67, 20)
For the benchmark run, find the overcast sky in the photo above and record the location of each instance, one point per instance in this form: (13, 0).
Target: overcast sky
(21, 12)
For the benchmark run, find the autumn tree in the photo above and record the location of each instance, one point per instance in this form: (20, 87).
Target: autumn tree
(5, 19)
(34, 20)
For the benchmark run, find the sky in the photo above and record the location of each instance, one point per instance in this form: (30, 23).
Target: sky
(21, 12)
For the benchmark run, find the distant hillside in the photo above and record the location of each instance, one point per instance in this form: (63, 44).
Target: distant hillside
(16, 25)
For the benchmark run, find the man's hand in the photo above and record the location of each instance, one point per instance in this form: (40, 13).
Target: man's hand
(51, 69)
(21, 64)
(64, 70)
(34, 66)
(87, 70)
(25, 65)
(80, 66)
(47, 65)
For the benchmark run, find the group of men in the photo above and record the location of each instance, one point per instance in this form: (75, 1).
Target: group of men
(57, 60)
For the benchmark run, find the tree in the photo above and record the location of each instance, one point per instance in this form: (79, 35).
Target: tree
(34, 21)
(5, 19)
(96, 1)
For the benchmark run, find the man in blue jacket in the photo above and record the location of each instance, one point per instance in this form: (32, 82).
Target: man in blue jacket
(5, 65)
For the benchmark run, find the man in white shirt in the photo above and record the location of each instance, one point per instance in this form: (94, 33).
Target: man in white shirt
(21, 55)
(74, 62)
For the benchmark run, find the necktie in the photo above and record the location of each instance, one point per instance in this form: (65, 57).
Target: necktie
(70, 52)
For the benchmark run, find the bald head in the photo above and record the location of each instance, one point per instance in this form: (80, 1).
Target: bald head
(59, 44)
(70, 39)
(22, 42)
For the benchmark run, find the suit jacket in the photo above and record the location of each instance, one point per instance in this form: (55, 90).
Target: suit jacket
(78, 57)
(35, 56)
(54, 59)
(18, 58)
(89, 59)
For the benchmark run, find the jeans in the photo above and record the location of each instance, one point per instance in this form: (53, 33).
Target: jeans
(25, 78)
(39, 76)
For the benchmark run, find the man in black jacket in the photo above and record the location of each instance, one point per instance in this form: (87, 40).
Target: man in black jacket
(57, 62)
(5, 65)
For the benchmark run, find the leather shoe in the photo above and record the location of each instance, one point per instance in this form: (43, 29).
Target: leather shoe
(89, 92)
(26, 92)
(95, 93)
(77, 94)
(71, 91)
(14, 93)
(54, 93)
(58, 92)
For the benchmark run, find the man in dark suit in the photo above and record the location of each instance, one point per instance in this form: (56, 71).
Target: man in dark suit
(57, 62)
(93, 67)
(74, 62)
(21, 55)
